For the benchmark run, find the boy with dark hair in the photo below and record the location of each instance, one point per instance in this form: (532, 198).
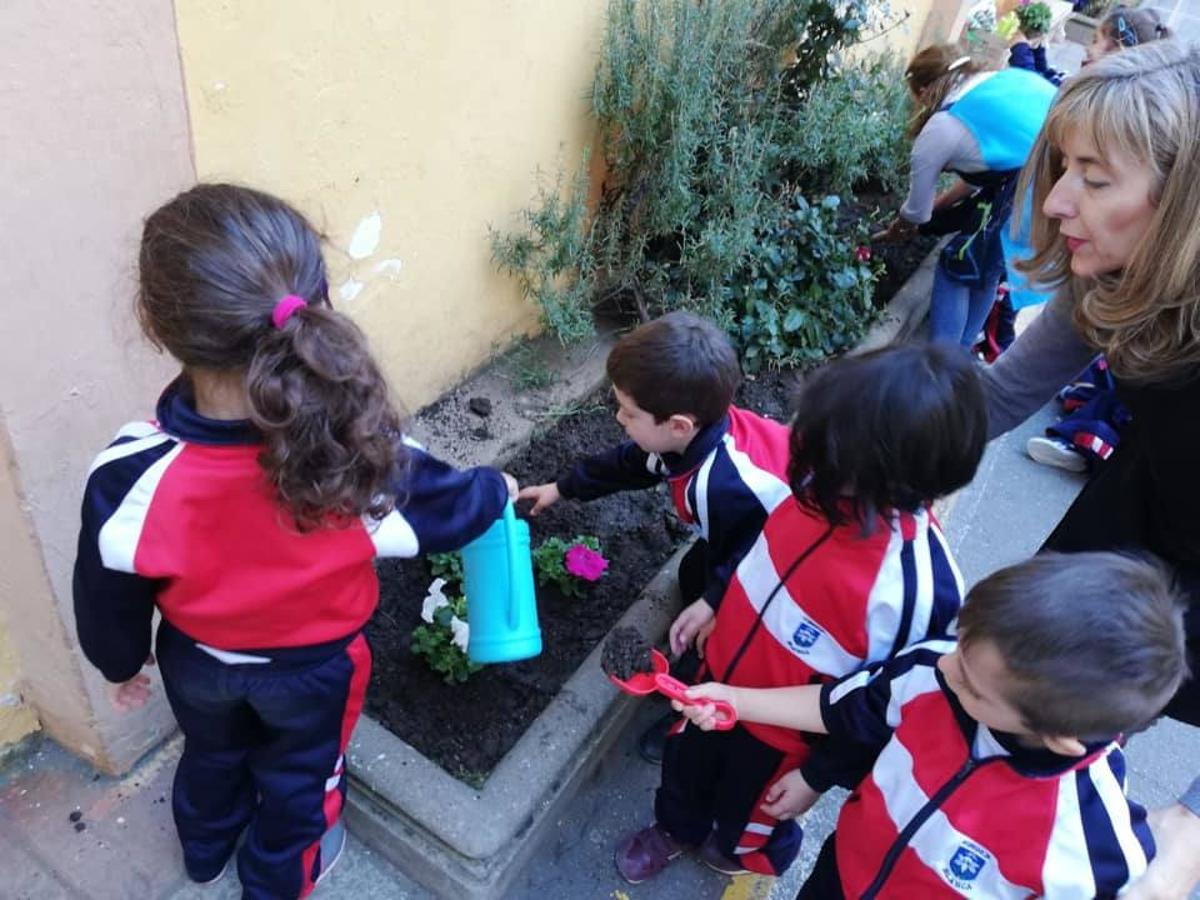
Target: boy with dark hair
(995, 766)
(847, 572)
(674, 381)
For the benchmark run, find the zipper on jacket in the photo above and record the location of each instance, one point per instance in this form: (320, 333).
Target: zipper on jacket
(923, 814)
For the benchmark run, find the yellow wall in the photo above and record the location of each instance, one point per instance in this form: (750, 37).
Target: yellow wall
(16, 718)
(403, 129)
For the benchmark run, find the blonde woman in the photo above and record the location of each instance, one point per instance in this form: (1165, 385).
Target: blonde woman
(1115, 176)
(980, 125)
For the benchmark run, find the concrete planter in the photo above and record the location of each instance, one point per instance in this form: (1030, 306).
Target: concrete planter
(470, 844)
(1080, 28)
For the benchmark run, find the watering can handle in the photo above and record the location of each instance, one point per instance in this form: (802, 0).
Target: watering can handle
(514, 563)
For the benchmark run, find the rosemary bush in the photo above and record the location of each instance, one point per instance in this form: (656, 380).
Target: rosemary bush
(713, 118)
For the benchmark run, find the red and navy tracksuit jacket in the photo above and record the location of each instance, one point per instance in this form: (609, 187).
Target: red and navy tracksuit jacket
(733, 473)
(809, 603)
(260, 647)
(951, 808)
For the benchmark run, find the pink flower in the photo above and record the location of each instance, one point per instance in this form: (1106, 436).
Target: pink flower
(862, 253)
(584, 562)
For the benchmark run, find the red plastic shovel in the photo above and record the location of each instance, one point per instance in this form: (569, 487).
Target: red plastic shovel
(643, 683)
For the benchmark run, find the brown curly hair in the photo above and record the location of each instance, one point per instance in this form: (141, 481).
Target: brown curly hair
(213, 263)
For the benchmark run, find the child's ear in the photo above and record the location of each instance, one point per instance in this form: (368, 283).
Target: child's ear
(1064, 746)
(683, 426)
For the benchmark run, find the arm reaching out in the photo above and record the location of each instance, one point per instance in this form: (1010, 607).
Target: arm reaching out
(792, 707)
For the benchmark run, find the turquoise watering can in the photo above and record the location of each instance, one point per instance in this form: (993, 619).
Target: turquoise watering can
(501, 604)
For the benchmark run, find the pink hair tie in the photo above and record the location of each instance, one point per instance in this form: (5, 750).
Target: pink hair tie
(285, 308)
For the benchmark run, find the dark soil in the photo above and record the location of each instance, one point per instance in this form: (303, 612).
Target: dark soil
(900, 258)
(625, 654)
(467, 728)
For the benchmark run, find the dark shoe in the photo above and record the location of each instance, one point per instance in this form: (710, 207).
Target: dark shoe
(654, 739)
(212, 879)
(645, 853)
(713, 857)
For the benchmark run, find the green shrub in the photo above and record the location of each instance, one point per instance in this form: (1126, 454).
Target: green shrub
(708, 113)
(805, 292)
(850, 130)
(1034, 18)
(551, 257)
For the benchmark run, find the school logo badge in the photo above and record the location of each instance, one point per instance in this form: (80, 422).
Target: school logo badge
(805, 635)
(965, 865)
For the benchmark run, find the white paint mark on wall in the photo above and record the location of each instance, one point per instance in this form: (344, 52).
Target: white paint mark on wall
(366, 236)
(350, 289)
(390, 267)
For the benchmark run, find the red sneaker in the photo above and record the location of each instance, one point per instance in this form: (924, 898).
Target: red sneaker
(645, 853)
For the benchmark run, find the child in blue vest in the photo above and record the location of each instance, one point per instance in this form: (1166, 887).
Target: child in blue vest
(981, 126)
(248, 512)
(993, 765)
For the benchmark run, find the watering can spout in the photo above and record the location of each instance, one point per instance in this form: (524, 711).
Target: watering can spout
(501, 603)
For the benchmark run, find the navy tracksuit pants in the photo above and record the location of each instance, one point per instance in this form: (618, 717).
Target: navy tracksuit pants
(716, 781)
(265, 734)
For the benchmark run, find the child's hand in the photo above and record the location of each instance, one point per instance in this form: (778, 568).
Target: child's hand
(789, 796)
(688, 624)
(513, 488)
(704, 715)
(542, 495)
(898, 230)
(132, 694)
(702, 636)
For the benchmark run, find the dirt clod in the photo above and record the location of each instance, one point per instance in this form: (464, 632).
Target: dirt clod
(81, 826)
(625, 654)
(75, 816)
(481, 406)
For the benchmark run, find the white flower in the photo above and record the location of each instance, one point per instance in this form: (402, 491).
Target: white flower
(434, 600)
(461, 631)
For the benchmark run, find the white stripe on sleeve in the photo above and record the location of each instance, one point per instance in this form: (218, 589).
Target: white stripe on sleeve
(119, 536)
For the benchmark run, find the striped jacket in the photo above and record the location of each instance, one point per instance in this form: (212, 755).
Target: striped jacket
(811, 602)
(733, 473)
(178, 514)
(951, 808)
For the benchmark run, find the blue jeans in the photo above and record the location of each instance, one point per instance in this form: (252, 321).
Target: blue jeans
(957, 312)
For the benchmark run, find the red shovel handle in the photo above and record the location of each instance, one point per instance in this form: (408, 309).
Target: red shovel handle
(677, 690)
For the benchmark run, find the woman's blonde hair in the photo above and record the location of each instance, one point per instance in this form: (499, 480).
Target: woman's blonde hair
(940, 69)
(1142, 104)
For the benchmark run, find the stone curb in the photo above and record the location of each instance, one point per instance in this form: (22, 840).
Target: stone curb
(461, 842)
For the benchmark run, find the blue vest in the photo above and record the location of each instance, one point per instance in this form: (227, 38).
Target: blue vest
(1004, 113)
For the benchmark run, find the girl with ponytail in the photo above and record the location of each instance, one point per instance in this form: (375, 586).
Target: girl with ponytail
(249, 513)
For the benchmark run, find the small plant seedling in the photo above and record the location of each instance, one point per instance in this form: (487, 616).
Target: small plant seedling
(550, 563)
(529, 371)
(435, 642)
(448, 566)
